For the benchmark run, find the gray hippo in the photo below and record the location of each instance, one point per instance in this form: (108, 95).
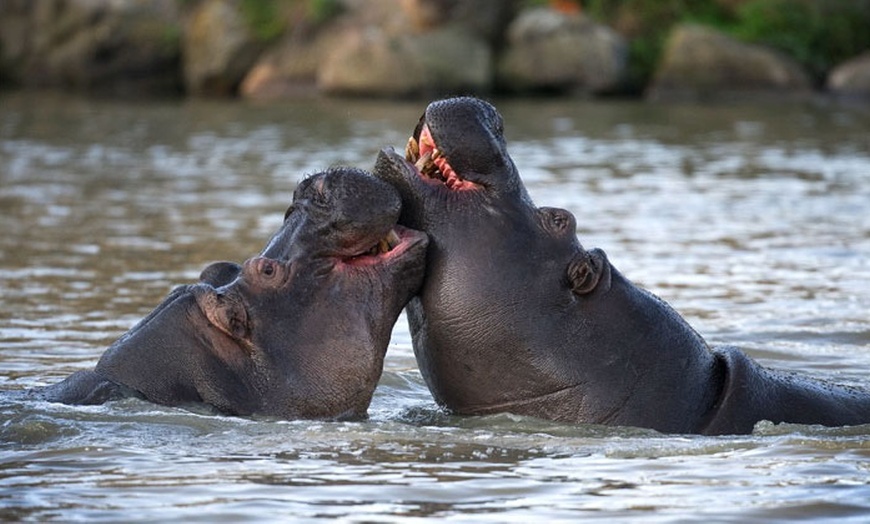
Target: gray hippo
(297, 332)
(516, 316)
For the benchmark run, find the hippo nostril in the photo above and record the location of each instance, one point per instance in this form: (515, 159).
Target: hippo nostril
(263, 267)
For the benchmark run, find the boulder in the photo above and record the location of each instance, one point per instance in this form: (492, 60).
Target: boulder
(370, 61)
(486, 19)
(551, 50)
(116, 46)
(851, 78)
(218, 48)
(388, 48)
(699, 62)
(287, 68)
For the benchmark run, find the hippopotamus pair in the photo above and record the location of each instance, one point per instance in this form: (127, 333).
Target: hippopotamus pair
(513, 315)
(298, 332)
(516, 316)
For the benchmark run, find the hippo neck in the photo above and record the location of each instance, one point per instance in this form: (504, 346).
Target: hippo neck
(501, 217)
(643, 343)
(490, 273)
(307, 357)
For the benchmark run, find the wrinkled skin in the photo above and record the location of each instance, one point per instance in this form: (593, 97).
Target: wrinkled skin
(298, 332)
(516, 316)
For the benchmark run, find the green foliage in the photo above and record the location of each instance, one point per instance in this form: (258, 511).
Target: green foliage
(322, 11)
(647, 24)
(818, 33)
(264, 18)
(270, 18)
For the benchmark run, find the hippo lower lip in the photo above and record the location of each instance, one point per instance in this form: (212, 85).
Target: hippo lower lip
(431, 162)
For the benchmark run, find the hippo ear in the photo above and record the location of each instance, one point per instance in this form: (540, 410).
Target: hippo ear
(232, 319)
(220, 274)
(223, 312)
(585, 271)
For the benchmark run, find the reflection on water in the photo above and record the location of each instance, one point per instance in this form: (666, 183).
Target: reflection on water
(751, 221)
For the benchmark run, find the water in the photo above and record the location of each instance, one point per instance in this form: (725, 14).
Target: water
(751, 221)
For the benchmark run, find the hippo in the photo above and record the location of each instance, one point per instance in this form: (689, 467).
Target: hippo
(299, 331)
(516, 316)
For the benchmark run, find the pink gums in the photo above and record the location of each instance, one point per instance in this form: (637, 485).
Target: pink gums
(451, 179)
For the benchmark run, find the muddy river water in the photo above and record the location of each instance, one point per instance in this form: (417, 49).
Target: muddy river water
(753, 221)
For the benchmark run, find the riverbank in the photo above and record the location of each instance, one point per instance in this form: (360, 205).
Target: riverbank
(270, 49)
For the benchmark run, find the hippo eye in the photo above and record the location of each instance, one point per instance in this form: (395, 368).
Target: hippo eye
(289, 210)
(268, 269)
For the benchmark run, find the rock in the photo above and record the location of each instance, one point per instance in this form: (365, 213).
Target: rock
(551, 50)
(367, 61)
(699, 62)
(370, 61)
(424, 15)
(388, 48)
(851, 79)
(218, 48)
(116, 46)
(486, 19)
(288, 68)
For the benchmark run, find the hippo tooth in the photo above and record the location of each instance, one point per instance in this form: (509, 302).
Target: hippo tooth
(424, 161)
(385, 244)
(412, 150)
(393, 239)
(436, 154)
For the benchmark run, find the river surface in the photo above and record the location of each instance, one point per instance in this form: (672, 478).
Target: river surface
(753, 221)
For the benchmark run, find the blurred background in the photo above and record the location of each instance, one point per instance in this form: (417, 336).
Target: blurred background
(268, 49)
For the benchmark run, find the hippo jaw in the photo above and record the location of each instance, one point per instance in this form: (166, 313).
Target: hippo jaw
(459, 144)
(400, 244)
(395, 246)
(229, 307)
(431, 162)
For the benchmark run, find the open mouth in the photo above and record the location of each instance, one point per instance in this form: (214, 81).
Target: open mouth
(392, 245)
(385, 245)
(431, 162)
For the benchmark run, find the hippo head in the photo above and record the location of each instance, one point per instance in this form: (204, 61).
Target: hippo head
(301, 330)
(315, 310)
(456, 158)
(459, 184)
(339, 214)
